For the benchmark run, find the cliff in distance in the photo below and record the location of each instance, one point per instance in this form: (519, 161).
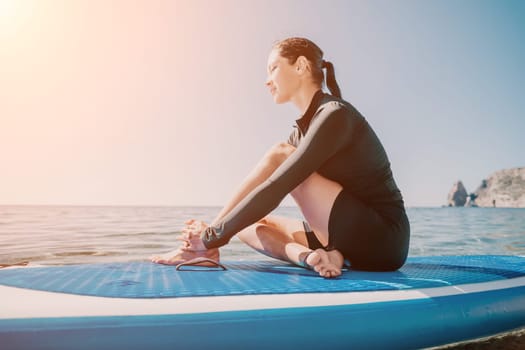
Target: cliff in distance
(457, 197)
(504, 189)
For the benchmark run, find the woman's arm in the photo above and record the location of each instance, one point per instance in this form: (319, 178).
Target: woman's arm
(257, 176)
(331, 131)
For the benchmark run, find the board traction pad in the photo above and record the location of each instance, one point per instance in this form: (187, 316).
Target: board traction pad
(148, 280)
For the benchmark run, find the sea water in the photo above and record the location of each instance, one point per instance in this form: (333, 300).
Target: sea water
(55, 235)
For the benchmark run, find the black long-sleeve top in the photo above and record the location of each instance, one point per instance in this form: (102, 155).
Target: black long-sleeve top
(333, 139)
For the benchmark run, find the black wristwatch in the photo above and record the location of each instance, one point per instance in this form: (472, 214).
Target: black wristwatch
(212, 237)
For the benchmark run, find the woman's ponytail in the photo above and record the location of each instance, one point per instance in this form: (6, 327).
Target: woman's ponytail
(331, 83)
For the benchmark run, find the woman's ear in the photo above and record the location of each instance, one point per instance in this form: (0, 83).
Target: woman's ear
(301, 64)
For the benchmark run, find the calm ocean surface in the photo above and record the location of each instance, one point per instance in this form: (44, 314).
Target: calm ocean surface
(51, 235)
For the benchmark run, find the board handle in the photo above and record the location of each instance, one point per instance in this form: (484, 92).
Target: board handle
(200, 261)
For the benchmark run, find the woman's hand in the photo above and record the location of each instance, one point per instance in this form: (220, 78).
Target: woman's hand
(192, 246)
(191, 235)
(194, 227)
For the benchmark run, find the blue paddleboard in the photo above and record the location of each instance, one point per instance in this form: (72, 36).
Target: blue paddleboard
(257, 305)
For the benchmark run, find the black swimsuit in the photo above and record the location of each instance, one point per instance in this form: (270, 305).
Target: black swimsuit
(367, 223)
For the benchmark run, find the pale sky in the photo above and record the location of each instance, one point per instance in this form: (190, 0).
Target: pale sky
(164, 103)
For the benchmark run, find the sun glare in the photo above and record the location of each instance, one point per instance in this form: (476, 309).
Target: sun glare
(8, 9)
(13, 15)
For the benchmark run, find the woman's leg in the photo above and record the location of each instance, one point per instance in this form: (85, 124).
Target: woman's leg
(192, 245)
(277, 237)
(285, 239)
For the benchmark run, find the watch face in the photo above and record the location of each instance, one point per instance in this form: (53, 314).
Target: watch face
(208, 233)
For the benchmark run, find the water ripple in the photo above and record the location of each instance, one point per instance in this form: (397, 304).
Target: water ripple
(68, 235)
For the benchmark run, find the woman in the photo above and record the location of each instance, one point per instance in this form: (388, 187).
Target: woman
(335, 168)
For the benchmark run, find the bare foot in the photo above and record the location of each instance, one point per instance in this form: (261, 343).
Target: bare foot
(181, 255)
(192, 247)
(327, 263)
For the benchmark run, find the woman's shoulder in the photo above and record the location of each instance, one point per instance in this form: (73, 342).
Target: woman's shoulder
(335, 105)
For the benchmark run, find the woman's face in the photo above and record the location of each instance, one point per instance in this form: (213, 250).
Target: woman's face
(283, 80)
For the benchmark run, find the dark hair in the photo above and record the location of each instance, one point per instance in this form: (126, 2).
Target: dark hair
(292, 48)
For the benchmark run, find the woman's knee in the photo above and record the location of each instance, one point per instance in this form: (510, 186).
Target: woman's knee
(279, 153)
(247, 233)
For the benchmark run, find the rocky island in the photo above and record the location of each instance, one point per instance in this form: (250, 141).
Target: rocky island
(504, 188)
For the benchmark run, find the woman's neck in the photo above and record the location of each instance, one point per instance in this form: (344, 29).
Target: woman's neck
(304, 96)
